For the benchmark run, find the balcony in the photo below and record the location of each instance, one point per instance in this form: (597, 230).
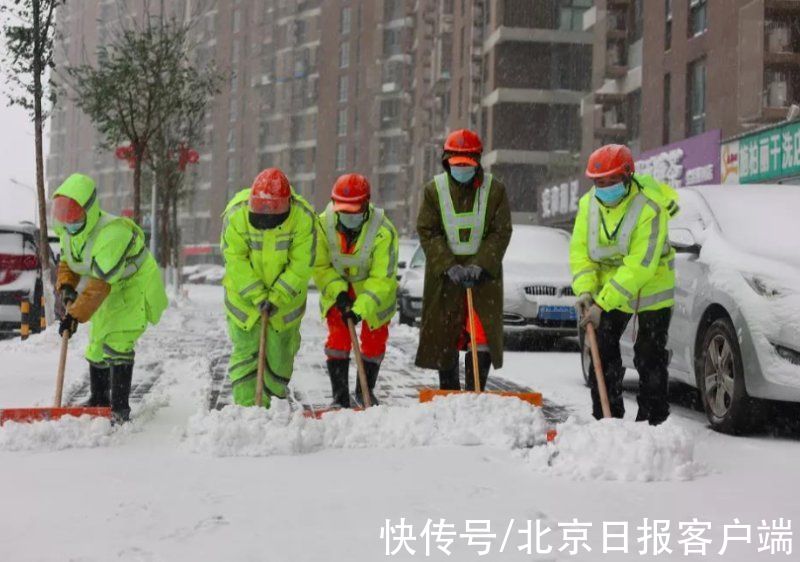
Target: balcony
(617, 132)
(782, 59)
(616, 71)
(781, 7)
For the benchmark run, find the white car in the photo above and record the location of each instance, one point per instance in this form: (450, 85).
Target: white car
(20, 276)
(538, 302)
(410, 288)
(735, 332)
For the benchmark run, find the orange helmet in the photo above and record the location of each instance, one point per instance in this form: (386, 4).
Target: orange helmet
(350, 194)
(610, 161)
(67, 211)
(463, 147)
(271, 193)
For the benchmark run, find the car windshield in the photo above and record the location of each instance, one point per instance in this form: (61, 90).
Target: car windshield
(537, 245)
(759, 219)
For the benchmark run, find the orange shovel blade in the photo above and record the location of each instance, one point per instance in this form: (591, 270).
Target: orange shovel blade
(25, 415)
(317, 414)
(428, 394)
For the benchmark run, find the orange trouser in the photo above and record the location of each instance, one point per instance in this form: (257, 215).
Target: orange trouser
(480, 334)
(373, 342)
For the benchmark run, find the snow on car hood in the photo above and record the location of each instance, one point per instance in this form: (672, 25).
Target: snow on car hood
(767, 292)
(545, 273)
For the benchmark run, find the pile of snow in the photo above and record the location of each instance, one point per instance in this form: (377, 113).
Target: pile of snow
(493, 421)
(65, 433)
(620, 450)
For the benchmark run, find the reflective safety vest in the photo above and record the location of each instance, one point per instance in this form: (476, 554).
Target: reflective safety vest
(85, 265)
(454, 222)
(344, 264)
(629, 267)
(371, 269)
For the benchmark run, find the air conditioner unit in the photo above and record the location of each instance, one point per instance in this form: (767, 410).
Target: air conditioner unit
(777, 93)
(779, 39)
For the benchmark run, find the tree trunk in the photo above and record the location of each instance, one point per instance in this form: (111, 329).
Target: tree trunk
(137, 185)
(163, 224)
(44, 244)
(176, 242)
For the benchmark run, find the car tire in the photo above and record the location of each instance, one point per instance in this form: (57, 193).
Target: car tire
(586, 356)
(406, 319)
(720, 380)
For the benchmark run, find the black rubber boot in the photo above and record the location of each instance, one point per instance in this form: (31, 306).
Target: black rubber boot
(99, 387)
(448, 378)
(121, 376)
(484, 364)
(338, 372)
(371, 370)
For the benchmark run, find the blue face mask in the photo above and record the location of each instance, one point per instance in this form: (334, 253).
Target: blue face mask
(352, 221)
(612, 194)
(74, 228)
(462, 174)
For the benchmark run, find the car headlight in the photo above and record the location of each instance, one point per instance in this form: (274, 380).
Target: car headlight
(765, 286)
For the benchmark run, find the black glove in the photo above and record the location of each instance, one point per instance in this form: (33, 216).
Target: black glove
(457, 274)
(68, 324)
(68, 295)
(350, 315)
(267, 308)
(344, 301)
(474, 275)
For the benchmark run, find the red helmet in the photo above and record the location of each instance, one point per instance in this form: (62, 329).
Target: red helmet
(610, 161)
(271, 193)
(350, 194)
(463, 147)
(67, 211)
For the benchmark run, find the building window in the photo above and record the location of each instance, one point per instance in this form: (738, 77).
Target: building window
(570, 14)
(343, 80)
(668, 25)
(344, 55)
(341, 156)
(345, 21)
(698, 17)
(696, 97)
(666, 117)
(341, 123)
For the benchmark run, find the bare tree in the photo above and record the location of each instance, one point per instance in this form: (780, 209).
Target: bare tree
(29, 32)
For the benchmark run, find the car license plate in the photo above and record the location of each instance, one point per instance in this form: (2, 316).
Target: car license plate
(557, 313)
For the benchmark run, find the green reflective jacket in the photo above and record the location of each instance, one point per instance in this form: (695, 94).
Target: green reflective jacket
(622, 255)
(375, 283)
(271, 264)
(110, 248)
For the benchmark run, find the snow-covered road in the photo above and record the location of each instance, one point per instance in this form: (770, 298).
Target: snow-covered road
(153, 491)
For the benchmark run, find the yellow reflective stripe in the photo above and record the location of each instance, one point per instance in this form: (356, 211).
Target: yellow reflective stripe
(625, 292)
(313, 218)
(583, 272)
(652, 300)
(652, 242)
(243, 362)
(295, 314)
(373, 296)
(239, 314)
(283, 245)
(251, 287)
(337, 353)
(289, 289)
(386, 313)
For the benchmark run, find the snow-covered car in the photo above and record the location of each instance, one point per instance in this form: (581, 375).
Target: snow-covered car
(409, 290)
(407, 247)
(20, 276)
(539, 305)
(206, 273)
(735, 332)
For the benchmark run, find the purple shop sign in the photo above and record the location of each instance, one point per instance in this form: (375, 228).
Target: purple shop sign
(692, 161)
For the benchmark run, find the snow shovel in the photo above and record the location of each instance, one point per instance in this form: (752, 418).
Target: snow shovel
(598, 371)
(428, 394)
(262, 360)
(23, 415)
(362, 377)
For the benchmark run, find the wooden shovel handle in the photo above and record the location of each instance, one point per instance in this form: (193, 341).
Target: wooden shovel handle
(62, 366)
(362, 374)
(473, 341)
(598, 370)
(262, 360)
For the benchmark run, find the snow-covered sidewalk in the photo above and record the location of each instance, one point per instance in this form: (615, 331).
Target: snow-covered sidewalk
(183, 483)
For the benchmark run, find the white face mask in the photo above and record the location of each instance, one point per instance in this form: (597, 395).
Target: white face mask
(352, 221)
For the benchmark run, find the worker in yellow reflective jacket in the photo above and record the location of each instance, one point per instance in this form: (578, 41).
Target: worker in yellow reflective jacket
(269, 243)
(357, 279)
(623, 265)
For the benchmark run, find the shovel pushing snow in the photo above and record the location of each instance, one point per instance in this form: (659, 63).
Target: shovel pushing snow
(428, 394)
(23, 415)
